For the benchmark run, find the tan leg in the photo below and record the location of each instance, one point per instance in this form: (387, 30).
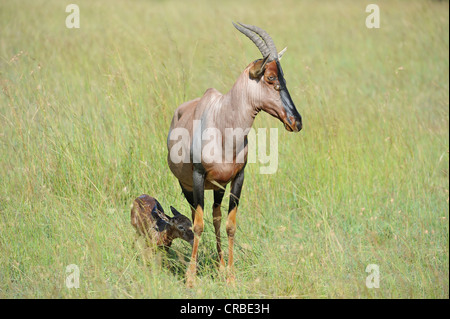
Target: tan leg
(235, 193)
(198, 229)
(217, 219)
(231, 230)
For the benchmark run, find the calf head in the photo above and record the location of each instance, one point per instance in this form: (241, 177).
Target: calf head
(178, 226)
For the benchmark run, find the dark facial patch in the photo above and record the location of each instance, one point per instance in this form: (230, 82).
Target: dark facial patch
(293, 117)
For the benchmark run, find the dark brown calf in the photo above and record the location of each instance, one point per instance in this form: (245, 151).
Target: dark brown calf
(150, 221)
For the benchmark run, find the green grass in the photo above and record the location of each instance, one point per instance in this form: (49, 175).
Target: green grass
(84, 115)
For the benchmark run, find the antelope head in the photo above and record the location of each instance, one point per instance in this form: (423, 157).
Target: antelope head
(273, 96)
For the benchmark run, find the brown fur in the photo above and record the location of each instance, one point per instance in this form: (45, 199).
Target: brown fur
(236, 109)
(146, 224)
(257, 88)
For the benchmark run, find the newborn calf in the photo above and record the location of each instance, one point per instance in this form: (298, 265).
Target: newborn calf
(150, 221)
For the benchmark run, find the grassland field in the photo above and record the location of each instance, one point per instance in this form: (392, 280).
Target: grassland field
(84, 117)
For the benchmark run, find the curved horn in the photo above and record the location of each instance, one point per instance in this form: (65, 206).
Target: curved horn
(260, 44)
(269, 44)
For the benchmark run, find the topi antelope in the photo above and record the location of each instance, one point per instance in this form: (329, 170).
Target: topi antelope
(260, 87)
(150, 221)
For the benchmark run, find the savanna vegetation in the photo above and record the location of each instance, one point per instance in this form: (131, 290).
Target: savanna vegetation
(84, 117)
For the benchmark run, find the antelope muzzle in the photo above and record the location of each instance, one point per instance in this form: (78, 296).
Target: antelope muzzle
(293, 122)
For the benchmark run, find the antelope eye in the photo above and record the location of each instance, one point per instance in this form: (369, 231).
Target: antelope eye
(271, 78)
(181, 228)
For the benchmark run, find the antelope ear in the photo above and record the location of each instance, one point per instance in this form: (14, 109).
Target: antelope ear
(258, 68)
(174, 211)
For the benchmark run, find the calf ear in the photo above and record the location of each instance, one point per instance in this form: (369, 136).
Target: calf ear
(161, 219)
(258, 68)
(174, 211)
(158, 213)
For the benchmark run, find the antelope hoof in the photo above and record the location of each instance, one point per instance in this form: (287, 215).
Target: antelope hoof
(231, 279)
(221, 264)
(190, 277)
(190, 281)
(221, 269)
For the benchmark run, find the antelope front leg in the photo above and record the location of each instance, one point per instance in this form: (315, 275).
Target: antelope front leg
(235, 193)
(198, 229)
(199, 187)
(217, 219)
